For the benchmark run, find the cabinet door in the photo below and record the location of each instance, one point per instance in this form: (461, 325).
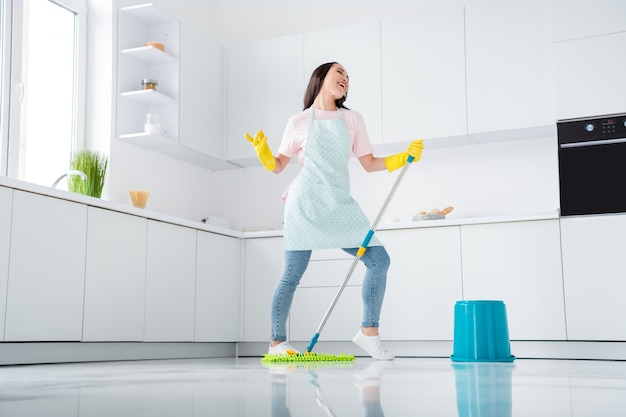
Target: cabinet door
(201, 93)
(265, 259)
(46, 269)
(311, 304)
(577, 19)
(357, 48)
(594, 268)
(423, 285)
(520, 264)
(170, 283)
(423, 75)
(6, 203)
(510, 82)
(115, 277)
(218, 288)
(586, 72)
(264, 81)
(318, 287)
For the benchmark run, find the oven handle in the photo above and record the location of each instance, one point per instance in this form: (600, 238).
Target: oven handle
(593, 143)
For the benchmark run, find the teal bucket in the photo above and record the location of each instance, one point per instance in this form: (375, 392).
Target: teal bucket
(481, 332)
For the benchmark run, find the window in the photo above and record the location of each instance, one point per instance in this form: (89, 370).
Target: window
(45, 93)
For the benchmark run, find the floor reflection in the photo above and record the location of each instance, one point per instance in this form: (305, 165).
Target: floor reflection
(246, 388)
(484, 389)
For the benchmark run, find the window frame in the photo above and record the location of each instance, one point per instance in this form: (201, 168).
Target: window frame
(12, 88)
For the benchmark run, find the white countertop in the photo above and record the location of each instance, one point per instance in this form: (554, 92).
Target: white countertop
(110, 205)
(153, 215)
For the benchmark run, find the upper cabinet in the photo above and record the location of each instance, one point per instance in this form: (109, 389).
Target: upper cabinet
(149, 47)
(583, 19)
(588, 51)
(423, 75)
(264, 81)
(180, 115)
(357, 48)
(509, 64)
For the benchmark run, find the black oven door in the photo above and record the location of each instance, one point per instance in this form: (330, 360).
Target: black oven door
(592, 177)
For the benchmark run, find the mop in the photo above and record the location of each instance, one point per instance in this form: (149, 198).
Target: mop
(309, 355)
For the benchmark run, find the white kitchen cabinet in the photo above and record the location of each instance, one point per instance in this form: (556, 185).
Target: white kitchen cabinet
(423, 75)
(46, 269)
(115, 277)
(594, 268)
(586, 74)
(326, 272)
(170, 283)
(6, 205)
(201, 98)
(357, 48)
(424, 283)
(264, 262)
(518, 263)
(264, 84)
(138, 25)
(577, 19)
(509, 65)
(218, 288)
(310, 305)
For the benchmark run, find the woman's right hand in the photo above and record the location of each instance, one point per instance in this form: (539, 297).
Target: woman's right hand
(262, 150)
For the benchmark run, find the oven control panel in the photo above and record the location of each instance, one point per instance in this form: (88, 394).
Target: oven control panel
(588, 129)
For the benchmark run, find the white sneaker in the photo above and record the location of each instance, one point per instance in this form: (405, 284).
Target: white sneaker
(283, 348)
(373, 346)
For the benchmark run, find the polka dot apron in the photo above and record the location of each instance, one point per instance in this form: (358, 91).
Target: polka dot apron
(319, 211)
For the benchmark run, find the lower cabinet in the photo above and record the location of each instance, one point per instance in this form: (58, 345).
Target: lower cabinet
(594, 272)
(322, 280)
(6, 206)
(423, 284)
(264, 261)
(115, 276)
(46, 269)
(170, 283)
(520, 264)
(218, 288)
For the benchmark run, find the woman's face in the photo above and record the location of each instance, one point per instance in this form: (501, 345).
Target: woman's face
(337, 82)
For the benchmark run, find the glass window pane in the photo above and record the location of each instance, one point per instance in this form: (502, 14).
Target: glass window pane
(47, 122)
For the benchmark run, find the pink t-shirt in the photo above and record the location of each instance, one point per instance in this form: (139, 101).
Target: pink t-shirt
(294, 137)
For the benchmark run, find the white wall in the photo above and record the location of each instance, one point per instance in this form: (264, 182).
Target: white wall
(478, 180)
(513, 177)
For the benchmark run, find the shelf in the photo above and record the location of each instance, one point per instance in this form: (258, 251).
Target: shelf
(150, 55)
(148, 97)
(148, 14)
(147, 140)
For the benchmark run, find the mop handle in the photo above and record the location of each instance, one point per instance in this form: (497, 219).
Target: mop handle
(360, 252)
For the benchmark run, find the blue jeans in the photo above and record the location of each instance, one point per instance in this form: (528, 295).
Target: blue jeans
(376, 261)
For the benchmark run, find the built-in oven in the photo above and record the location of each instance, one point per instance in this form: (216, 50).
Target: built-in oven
(592, 165)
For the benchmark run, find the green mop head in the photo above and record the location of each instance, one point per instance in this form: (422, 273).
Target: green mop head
(291, 356)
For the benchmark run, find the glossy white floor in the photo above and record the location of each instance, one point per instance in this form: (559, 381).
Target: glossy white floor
(245, 387)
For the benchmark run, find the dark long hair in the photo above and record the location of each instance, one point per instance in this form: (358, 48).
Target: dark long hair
(315, 85)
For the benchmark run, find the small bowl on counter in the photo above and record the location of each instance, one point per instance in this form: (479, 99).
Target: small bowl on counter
(433, 214)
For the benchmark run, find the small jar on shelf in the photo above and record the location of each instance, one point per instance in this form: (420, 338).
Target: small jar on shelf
(149, 84)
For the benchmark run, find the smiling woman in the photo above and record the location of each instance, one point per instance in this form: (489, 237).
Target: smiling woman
(43, 98)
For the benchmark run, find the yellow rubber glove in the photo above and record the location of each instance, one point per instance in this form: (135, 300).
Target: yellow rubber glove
(262, 150)
(396, 161)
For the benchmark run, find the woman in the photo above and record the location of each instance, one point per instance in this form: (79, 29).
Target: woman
(319, 211)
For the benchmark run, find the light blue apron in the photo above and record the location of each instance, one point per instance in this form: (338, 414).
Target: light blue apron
(320, 213)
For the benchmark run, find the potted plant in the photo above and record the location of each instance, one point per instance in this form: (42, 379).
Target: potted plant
(94, 165)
